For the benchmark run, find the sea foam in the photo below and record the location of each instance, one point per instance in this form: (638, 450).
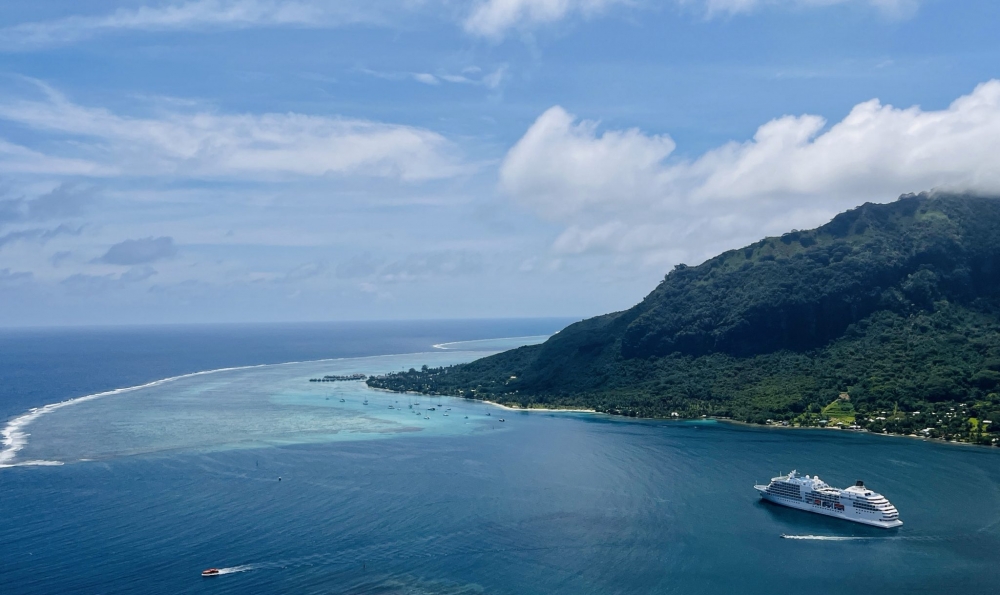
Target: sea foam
(490, 344)
(15, 438)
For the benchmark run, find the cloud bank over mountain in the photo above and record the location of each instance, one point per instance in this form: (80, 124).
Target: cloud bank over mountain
(621, 190)
(208, 160)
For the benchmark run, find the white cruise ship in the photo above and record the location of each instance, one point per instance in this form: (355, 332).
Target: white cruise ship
(856, 503)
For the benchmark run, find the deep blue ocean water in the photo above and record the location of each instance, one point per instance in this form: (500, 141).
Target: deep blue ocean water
(385, 501)
(38, 366)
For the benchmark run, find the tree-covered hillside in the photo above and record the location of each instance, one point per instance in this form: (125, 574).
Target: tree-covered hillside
(893, 309)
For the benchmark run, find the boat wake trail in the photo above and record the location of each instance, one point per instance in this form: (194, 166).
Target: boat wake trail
(909, 538)
(830, 538)
(235, 569)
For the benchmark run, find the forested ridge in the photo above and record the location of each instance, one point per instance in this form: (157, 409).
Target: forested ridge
(887, 318)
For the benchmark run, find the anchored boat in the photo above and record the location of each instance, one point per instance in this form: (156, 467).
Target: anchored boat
(856, 503)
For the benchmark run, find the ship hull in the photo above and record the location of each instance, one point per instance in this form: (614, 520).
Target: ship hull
(799, 505)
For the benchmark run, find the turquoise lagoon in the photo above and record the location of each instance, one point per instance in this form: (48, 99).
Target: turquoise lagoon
(160, 482)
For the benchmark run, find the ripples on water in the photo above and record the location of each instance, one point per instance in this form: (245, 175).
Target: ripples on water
(372, 500)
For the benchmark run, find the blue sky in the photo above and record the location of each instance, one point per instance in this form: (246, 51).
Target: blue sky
(255, 160)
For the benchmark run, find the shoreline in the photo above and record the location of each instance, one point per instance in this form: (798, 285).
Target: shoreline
(725, 420)
(835, 429)
(13, 437)
(494, 403)
(545, 409)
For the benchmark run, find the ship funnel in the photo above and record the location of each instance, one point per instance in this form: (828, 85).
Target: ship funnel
(860, 484)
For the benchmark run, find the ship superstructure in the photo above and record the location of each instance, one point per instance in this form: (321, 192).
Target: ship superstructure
(856, 503)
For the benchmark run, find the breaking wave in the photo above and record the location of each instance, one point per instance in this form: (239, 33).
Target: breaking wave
(498, 344)
(14, 436)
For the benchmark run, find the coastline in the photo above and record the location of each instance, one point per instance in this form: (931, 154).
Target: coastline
(835, 429)
(682, 420)
(494, 403)
(543, 409)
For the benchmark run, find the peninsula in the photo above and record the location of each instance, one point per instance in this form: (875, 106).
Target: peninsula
(886, 319)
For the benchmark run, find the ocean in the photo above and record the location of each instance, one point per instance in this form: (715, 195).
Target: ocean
(291, 486)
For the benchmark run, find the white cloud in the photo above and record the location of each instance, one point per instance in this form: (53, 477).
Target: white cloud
(425, 78)
(474, 76)
(493, 18)
(562, 167)
(198, 15)
(98, 142)
(486, 18)
(620, 192)
(895, 8)
(19, 159)
(469, 76)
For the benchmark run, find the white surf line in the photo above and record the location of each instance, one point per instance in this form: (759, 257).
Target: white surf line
(445, 347)
(14, 438)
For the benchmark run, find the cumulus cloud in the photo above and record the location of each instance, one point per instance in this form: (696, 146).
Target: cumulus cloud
(210, 144)
(563, 166)
(622, 192)
(141, 251)
(196, 15)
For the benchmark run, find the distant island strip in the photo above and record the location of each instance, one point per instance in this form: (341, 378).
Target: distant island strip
(886, 319)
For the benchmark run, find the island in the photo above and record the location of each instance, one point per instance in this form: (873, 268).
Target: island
(886, 319)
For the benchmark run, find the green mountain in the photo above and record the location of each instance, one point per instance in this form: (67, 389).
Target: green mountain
(889, 313)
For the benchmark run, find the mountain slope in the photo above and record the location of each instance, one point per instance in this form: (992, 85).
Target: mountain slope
(895, 304)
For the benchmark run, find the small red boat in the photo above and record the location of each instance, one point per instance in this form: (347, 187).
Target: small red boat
(210, 572)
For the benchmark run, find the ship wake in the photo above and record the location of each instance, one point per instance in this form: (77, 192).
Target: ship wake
(235, 569)
(830, 538)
